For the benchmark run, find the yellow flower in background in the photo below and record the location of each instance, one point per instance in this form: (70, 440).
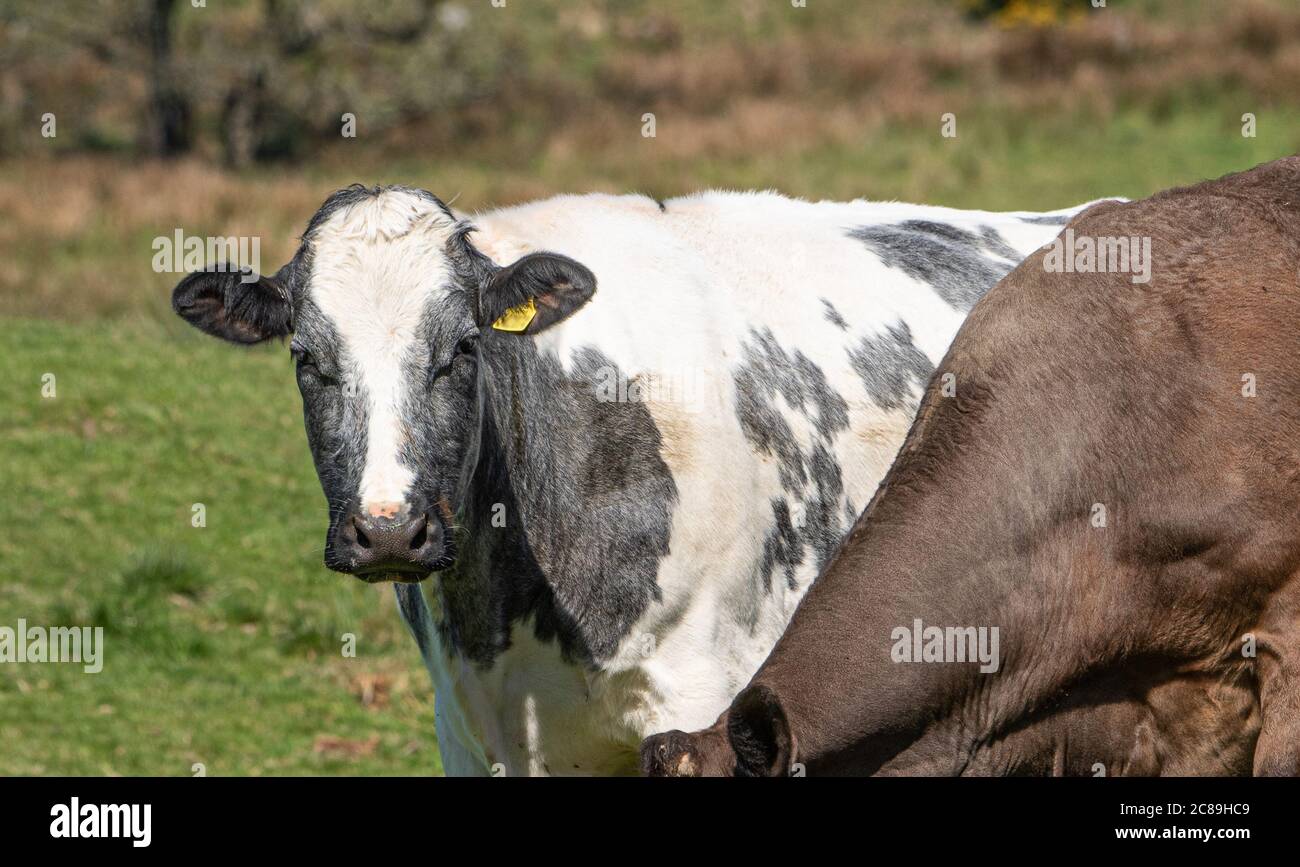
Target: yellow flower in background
(1009, 14)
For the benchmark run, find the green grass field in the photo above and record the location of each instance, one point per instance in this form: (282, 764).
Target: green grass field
(223, 643)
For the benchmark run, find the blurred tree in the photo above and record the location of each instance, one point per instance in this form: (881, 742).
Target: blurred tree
(115, 40)
(250, 79)
(168, 128)
(270, 96)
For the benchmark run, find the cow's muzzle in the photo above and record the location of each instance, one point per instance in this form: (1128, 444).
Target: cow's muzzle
(405, 546)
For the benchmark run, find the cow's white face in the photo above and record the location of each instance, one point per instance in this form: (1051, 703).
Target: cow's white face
(387, 303)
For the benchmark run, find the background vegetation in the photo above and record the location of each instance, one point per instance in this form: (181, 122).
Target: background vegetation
(224, 641)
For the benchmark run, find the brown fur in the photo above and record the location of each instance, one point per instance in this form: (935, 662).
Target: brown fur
(1121, 646)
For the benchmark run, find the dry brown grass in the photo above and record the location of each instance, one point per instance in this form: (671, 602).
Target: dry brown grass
(736, 104)
(826, 86)
(82, 226)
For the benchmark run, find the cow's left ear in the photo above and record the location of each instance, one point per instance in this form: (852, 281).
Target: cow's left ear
(535, 293)
(760, 734)
(238, 306)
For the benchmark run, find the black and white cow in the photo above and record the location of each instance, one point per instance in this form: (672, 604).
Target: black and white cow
(624, 434)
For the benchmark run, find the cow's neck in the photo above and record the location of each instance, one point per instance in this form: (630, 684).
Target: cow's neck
(566, 511)
(921, 556)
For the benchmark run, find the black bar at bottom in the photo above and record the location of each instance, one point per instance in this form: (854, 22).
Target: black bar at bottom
(368, 816)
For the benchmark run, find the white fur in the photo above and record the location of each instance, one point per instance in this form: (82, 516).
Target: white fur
(377, 265)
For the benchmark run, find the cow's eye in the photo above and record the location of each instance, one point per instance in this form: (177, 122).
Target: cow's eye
(468, 345)
(307, 364)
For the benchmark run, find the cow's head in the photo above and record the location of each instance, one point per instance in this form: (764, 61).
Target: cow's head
(752, 739)
(386, 301)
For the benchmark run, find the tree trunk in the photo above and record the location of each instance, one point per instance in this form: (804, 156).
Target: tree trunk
(169, 132)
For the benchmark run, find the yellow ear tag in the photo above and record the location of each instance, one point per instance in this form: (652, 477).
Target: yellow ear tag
(517, 317)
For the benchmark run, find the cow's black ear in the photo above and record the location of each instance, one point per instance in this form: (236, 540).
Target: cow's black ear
(534, 293)
(760, 734)
(238, 306)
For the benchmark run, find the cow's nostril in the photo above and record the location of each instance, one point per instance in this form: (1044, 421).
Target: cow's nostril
(362, 539)
(421, 536)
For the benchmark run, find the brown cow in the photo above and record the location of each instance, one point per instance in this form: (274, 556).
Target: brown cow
(1111, 478)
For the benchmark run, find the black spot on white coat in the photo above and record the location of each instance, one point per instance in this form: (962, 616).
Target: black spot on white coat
(833, 316)
(891, 367)
(958, 264)
(1047, 220)
(588, 503)
(810, 476)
